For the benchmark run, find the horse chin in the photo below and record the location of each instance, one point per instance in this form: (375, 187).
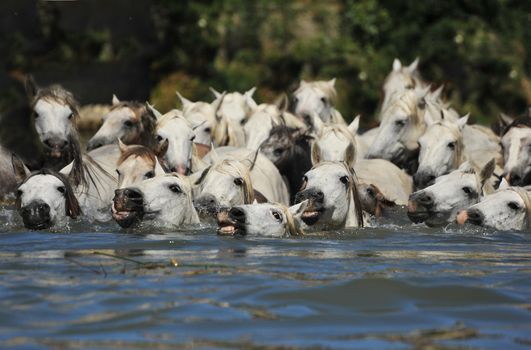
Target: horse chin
(127, 217)
(418, 217)
(40, 225)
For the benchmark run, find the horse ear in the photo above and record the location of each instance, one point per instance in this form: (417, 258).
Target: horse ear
(30, 86)
(298, 209)
(250, 92)
(466, 166)
(159, 170)
(503, 184)
(350, 155)
(216, 93)
(152, 111)
(216, 104)
(397, 65)
(504, 120)
(461, 122)
(115, 100)
(423, 92)
(354, 125)
(413, 66)
(437, 93)
(122, 146)
(332, 82)
(487, 171)
(20, 170)
(250, 160)
(184, 102)
(282, 103)
(316, 153)
(248, 98)
(214, 155)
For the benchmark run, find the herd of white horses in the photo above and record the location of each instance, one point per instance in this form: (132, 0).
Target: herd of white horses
(272, 169)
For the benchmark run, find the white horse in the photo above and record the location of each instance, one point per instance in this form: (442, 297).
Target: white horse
(332, 140)
(402, 125)
(262, 120)
(175, 144)
(266, 219)
(439, 203)
(129, 121)
(234, 110)
(516, 142)
(266, 178)
(333, 198)
(509, 208)
(317, 97)
(447, 143)
(136, 163)
(441, 150)
(166, 200)
(225, 184)
(202, 118)
(45, 199)
(400, 79)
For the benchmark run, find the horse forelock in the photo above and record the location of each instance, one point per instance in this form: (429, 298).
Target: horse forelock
(57, 94)
(291, 226)
(321, 85)
(171, 115)
(138, 151)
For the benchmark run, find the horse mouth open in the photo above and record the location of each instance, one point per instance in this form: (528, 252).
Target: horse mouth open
(311, 215)
(228, 226)
(127, 214)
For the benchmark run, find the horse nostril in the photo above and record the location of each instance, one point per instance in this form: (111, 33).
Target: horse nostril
(426, 200)
(475, 217)
(319, 196)
(132, 193)
(237, 214)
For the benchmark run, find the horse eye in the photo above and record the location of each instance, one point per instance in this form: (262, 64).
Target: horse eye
(295, 99)
(19, 193)
(451, 145)
(238, 181)
(36, 115)
(71, 115)
(409, 87)
(118, 172)
(149, 174)
(467, 190)
(193, 138)
(159, 138)
(175, 188)
(208, 130)
(61, 189)
(243, 121)
(513, 205)
(278, 151)
(323, 100)
(400, 123)
(128, 123)
(276, 215)
(370, 192)
(344, 179)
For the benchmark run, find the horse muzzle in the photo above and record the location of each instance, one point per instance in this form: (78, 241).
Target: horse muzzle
(36, 216)
(231, 222)
(206, 205)
(55, 147)
(471, 216)
(315, 207)
(128, 207)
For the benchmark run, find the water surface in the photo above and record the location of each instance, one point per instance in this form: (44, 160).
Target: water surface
(392, 287)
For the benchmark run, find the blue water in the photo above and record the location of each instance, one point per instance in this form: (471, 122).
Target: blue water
(391, 287)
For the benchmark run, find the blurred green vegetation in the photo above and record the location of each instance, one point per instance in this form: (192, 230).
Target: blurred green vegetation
(480, 49)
